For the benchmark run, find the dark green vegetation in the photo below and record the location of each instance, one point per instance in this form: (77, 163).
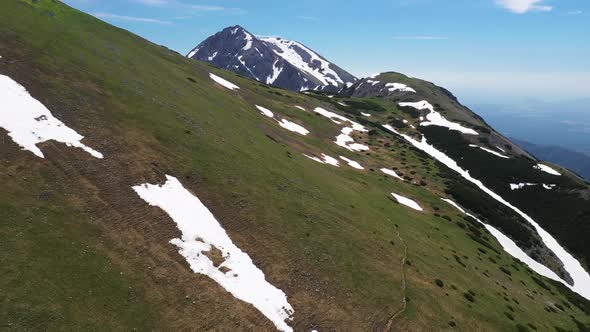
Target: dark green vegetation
(82, 252)
(559, 211)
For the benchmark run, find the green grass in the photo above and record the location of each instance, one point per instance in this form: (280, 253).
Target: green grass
(322, 234)
(55, 274)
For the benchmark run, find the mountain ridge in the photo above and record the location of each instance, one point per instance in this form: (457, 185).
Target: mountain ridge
(271, 60)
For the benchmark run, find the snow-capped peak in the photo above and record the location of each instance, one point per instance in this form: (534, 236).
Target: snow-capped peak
(271, 60)
(305, 59)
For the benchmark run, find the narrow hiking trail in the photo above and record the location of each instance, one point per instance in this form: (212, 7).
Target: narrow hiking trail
(403, 287)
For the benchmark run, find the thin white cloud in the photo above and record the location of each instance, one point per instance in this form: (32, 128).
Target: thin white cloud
(178, 4)
(420, 38)
(130, 18)
(308, 18)
(203, 8)
(575, 12)
(524, 6)
(153, 2)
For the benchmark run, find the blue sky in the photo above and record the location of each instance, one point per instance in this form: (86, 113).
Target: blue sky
(480, 49)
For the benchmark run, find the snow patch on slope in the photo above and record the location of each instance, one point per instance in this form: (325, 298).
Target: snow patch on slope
(399, 87)
(223, 82)
(352, 163)
(344, 139)
(248, 38)
(265, 111)
(29, 122)
(489, 151)
(546, 169)
(276, 71)
(292, 126)
(201, 232)
(436, 119)
(517, 186)
(210, 58)
(391, 172)
(324, 160)
(325, 74)
(407, 202)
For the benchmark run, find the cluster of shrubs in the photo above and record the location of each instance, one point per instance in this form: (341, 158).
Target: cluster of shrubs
(469, 296)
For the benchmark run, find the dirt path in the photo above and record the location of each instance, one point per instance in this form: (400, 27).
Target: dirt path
(403, 287)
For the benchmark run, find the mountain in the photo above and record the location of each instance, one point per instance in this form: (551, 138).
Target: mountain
(271, 60)
(144, 190)
(576, 161)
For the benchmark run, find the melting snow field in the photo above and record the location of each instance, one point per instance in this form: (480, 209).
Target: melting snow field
(276, 71)
(29, 122)
(210, 58)
(288, 50)
(223, 82)
(352, 163)
(248, 38)
(344, 139)
(391, 172)
(190, 55)
(511, 248)
(407, 202)
(489, 151)
(419, 105)
(436, 119)
(399, 87)
(292, 126)
(580, 277)
(516, 186)
(546, 169)
(265, 111)
(325, 160)
(201, 232)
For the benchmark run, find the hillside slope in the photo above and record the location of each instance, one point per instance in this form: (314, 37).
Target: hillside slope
(92, 244)
(492, 159)
(271, 60)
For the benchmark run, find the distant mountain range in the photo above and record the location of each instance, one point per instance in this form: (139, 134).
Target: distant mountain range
(575, 161)
(271, 60)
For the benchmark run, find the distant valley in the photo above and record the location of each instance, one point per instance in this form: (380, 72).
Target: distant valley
(560, 123)
(575, 161)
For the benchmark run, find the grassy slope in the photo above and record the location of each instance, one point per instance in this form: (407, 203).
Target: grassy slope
(326, 236)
